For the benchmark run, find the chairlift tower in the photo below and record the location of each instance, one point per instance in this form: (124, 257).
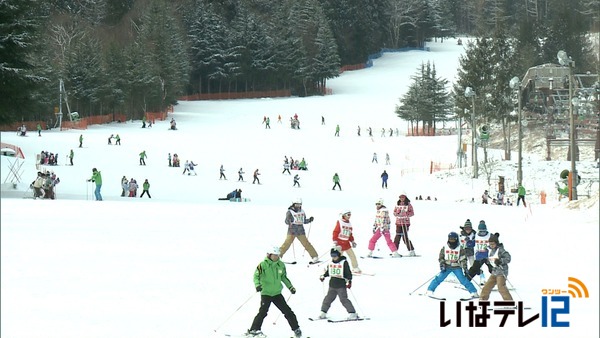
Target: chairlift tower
(59, 114)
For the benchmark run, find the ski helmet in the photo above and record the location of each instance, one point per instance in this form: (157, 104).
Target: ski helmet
(274, 250)
(336, 251)
(453, 235)
(297, 200)
(453, 240)
(346, 212)
(379, 201)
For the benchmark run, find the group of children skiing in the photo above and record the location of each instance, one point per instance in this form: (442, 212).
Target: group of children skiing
(463, 256)
(339, 270)
(466, 254)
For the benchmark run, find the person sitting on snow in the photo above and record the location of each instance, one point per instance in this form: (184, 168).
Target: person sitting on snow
(303, 165)
(236, 194)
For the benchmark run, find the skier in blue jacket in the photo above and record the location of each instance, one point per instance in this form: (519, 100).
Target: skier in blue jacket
(384, 178)
(481, 250)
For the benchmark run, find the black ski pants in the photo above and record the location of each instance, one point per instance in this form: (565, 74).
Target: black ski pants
(279, 301)
(475, 269)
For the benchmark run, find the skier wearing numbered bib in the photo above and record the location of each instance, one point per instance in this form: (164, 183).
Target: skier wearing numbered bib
(295, 218)
(403, 212)
(481, 249)
(498, 260)
(381, 227)
(452, 259)
(341, 279)
(467, 242)
(343, 237)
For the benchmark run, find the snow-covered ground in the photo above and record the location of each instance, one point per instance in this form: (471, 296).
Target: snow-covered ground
(181, 264)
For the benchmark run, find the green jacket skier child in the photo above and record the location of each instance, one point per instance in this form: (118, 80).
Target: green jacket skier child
(521, 192)
(336, 182)
(143, 157)
(97, 178)
(146, 187)
(269, 276)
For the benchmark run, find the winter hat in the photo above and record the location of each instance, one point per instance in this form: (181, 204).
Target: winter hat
(494, 238)
(335, 251)
(482, 226)
(468, 224)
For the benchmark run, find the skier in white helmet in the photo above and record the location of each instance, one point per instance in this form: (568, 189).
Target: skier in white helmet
(269, 277)
(295, 218)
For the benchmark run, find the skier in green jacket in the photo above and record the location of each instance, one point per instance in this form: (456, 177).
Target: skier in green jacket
(97, 178)
(521, 192)
(146, 186)
(268, 278)
(143, 158)
(336, 182)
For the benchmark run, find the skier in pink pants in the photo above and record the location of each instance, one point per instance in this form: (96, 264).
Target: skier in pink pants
(381, 227)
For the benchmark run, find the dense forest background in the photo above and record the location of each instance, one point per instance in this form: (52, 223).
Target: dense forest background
(136, 56)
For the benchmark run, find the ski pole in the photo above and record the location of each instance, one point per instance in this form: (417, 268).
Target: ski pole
(420, 286)
(356, 302)
(279, 315)
(87, 190)
(234, 312)
(307, 236)
(513, 287)
(407, 241)
(294, 250)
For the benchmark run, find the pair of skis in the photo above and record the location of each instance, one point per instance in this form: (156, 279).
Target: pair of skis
(381, 257)
(245, 335)
(331, 320)
(465, 299)
(310, 263)
(363, 274)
